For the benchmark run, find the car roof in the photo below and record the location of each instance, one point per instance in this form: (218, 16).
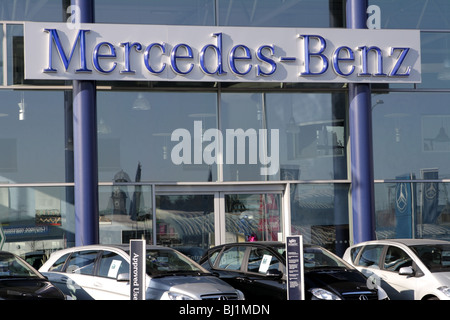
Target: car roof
(123, 247)
(260, 243)
(406, 242)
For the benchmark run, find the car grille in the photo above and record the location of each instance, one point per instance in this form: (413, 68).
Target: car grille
(223, 296)
(361, 295)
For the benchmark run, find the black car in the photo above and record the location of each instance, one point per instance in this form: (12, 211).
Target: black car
(326, 277)
(20, 281)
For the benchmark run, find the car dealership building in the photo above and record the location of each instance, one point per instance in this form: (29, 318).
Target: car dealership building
(196, 123)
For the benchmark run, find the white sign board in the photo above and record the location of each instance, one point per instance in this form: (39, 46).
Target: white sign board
(115, 52)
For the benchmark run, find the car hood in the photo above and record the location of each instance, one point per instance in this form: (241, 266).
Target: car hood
(443, 278)
(28, 289)
(192, 285)
(338, 281)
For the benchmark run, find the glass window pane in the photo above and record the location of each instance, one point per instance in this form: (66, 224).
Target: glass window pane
(29, 10)
(305, 136)
(435, 52)
(252, 217)
(411, 134)
(37, 219)
(126, 212)
(395, 259)
(82, 262)
(112, 264)
(312, 134)
(288, 13)
(231, 259)
(59, 264)
(32, 135)
(320, 212)
(174, 12)
(261, 260)
(2, 63)
(412, 210)
(161, 132)
(370, 256)
(186, 223)
(413, 14)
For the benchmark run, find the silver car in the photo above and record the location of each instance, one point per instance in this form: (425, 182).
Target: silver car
(407, 269)
(101, 272)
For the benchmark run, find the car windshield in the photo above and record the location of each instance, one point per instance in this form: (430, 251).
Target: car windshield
(161, 262)
(436, 257)
(318, 258)
(12, 267)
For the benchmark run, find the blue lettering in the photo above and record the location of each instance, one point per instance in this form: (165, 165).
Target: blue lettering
(337, 58)
(247, 55)
(96, 55)
(218, 49)
(319, 54)
(401, 58)
(260, 55)
(174, 57)
(128, 47)
(54, 38)
(162, 47)
(364, 52)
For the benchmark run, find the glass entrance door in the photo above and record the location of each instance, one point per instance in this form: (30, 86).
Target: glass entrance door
(253, 217)
(186, 223)
(193, 219)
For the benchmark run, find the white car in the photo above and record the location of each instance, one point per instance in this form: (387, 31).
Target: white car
(407, 269)
(101, 272)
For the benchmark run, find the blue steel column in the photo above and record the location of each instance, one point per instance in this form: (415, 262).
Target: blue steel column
(85, 148)
(360, 118)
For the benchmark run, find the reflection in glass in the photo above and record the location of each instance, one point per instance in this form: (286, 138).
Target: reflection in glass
(253, 217)
(173, 12)
(435, 52)
(137, 129)
(32, 139)
(435, 133)
(319, 212)
(289, 13)
(36, 218)
(26, 10)
(412, 209)
(410, 134)
(185, 222)
(311, 135)
(125, 212)
(407, 14)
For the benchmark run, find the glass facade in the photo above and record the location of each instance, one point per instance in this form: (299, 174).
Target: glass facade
(170, 162)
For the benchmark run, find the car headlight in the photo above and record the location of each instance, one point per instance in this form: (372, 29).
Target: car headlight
(168, 295)
(323, 294)
(445, 290)
(240, 295)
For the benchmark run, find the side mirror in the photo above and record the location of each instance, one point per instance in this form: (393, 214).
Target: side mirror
(123, 277)
(406, 271)
(274, 273)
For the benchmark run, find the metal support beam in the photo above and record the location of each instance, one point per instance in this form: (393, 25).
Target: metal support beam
(85, 147)
(360, 120)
